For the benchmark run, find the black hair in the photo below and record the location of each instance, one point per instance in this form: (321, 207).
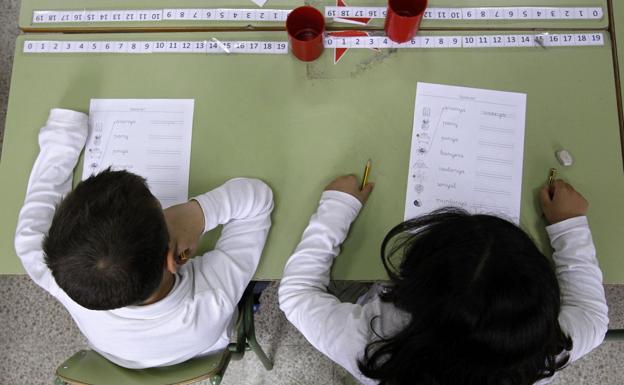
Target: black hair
(108, 242)
(483, 305)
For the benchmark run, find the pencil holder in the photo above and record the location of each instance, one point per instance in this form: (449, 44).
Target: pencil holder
(305, 26)
(403, 19)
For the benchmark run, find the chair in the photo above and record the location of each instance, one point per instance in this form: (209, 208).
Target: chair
(615, 335)
(88, 367)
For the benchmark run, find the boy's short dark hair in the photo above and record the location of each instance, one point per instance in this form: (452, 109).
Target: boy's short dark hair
(108, 242)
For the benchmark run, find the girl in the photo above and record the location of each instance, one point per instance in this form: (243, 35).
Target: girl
(471, 300)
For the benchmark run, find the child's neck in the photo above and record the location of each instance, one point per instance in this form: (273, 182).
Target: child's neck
(165, 287)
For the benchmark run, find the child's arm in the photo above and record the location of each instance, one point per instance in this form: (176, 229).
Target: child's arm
(244, 207)
(61, 140)
(584, 312)
(338, 330)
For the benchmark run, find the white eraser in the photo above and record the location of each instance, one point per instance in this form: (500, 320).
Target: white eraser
(564, 157)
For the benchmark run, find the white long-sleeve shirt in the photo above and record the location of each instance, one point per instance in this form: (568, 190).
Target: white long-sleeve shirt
(196, 317)
(342, 331)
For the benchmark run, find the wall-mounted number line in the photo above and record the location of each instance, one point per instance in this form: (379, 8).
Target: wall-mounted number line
(482, 13)
(281, 47)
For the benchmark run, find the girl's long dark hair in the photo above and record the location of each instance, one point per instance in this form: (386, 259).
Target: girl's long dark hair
(483, 303)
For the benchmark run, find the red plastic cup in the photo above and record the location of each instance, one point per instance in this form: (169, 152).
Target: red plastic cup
(403, 19)
(305, 26)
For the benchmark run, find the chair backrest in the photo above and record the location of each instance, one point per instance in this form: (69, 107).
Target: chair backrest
(615, 335)
(88, 367)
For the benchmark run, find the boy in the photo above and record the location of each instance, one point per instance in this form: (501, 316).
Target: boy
(471, 301)
(110, 255)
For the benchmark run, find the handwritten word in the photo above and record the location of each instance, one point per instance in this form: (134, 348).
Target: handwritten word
(500, 115)
(451, 202)
(448, 186)
(452, 170)
(451, 154)
(449, 139)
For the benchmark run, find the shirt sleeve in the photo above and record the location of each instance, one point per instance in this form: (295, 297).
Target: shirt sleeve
(338, 330)
(244, 207)
(60, 141)
(584, 313)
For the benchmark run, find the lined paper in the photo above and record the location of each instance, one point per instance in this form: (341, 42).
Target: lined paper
(467, 151)
(149, 137)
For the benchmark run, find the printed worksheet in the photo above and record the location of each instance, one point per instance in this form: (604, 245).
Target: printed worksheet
(149, 137)
(467, 151)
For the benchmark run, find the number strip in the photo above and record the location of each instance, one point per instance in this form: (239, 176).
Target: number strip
(281, 47)
(483, 13)
(472, 41)
(279, 15)
(178, 46)
(152, 15)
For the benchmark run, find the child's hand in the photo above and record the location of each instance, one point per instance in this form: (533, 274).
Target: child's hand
(560, 202)
(349, 184)
(186, 224)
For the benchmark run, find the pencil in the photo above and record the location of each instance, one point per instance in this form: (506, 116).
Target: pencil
(366, 172)
(552, 176)
(183, 256)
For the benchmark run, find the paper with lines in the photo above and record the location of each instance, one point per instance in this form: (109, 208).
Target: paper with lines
(149, 137)
(467, 151)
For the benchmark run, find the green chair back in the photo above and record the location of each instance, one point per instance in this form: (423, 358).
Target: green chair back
(615, 335)
(87, 367)
(90, 368)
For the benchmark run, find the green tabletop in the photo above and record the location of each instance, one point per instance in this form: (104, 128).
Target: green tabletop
(28, 6)
(298, 126)
(618, 27)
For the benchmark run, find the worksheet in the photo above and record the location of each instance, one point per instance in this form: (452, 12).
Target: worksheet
(467, 151)
(149, 137)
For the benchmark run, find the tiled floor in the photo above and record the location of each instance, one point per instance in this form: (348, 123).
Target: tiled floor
(36, 333)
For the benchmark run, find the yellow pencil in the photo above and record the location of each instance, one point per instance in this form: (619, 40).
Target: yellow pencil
(366, 172)
(552, 175)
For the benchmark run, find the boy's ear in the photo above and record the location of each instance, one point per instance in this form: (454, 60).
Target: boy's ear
(172, 266)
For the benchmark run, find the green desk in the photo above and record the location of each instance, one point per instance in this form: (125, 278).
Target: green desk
(618, 27)
(298, 126)
(28, 6)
